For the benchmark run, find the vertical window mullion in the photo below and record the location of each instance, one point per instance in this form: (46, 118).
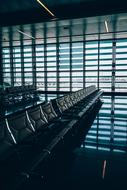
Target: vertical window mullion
(112, 118)
(84, 54)
(113, 65)
(57, 57)
(84, 64)
(98, 69)
(34, 56)
(11, 55)
(1, 63)
(22, 57)
(45, 59)
(70, 35)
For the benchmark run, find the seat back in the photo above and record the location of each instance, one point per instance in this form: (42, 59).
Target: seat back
(20, 126)
(68, 101)
(6, 140)
(62, 105)
(72, 97)
(37, 118)
(48, 111)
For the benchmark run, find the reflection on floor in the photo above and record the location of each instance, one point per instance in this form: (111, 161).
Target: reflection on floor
(100, 161)
(109, 130)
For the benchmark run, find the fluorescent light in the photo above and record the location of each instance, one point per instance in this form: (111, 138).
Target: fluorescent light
(106, 26)
(25, 34)
(45, 8)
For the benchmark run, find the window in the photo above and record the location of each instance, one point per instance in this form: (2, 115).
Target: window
(66, 63)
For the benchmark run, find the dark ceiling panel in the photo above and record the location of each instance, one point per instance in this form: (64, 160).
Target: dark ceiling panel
(10, 6)
(13, 12)
(18, 5)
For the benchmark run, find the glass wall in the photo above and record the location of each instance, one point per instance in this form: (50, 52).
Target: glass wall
(6, 66)
(109, 129)
(66, 64)
(121, 66)
(91, 63)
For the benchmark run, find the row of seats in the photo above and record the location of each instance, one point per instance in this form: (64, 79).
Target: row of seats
(18, 94)
(17, 89)
(28, 138)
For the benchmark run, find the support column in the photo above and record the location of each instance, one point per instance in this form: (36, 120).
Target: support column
(33, 32)
(84, 54)
(98, 69)
(1, 63)
(22, 57)
(57, 57)
(113, 65)
(70, 34)
(45, 60)
(11, 55)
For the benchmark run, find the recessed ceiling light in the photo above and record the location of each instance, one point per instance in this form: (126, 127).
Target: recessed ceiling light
(42, 4)
(106, 26)
(25, 34)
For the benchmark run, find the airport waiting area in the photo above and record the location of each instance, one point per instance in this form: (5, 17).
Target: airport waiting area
(57, 143)
(63, 95)
(29, 137)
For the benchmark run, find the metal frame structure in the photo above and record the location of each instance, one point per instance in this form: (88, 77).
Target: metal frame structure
(89, 65)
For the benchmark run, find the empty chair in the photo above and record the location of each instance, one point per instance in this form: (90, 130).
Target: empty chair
(68, 101)
(20, 127)
(49, 112)
(37, 118)
(13, 159)
(26, 143)
(6, 141)
(82, 94)
(62, 105)
(66, 106)
(71, 101)
(73, 98)
(9, 161)
(55, 123)
(46, 128)
(77, 96)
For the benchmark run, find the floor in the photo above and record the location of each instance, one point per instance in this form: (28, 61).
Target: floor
(100, 160)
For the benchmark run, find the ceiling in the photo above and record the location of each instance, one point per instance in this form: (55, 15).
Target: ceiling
(13, 12)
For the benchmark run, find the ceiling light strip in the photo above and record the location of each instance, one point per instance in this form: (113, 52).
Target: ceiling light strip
(106, 26)
(45, 8)
(25, 34)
